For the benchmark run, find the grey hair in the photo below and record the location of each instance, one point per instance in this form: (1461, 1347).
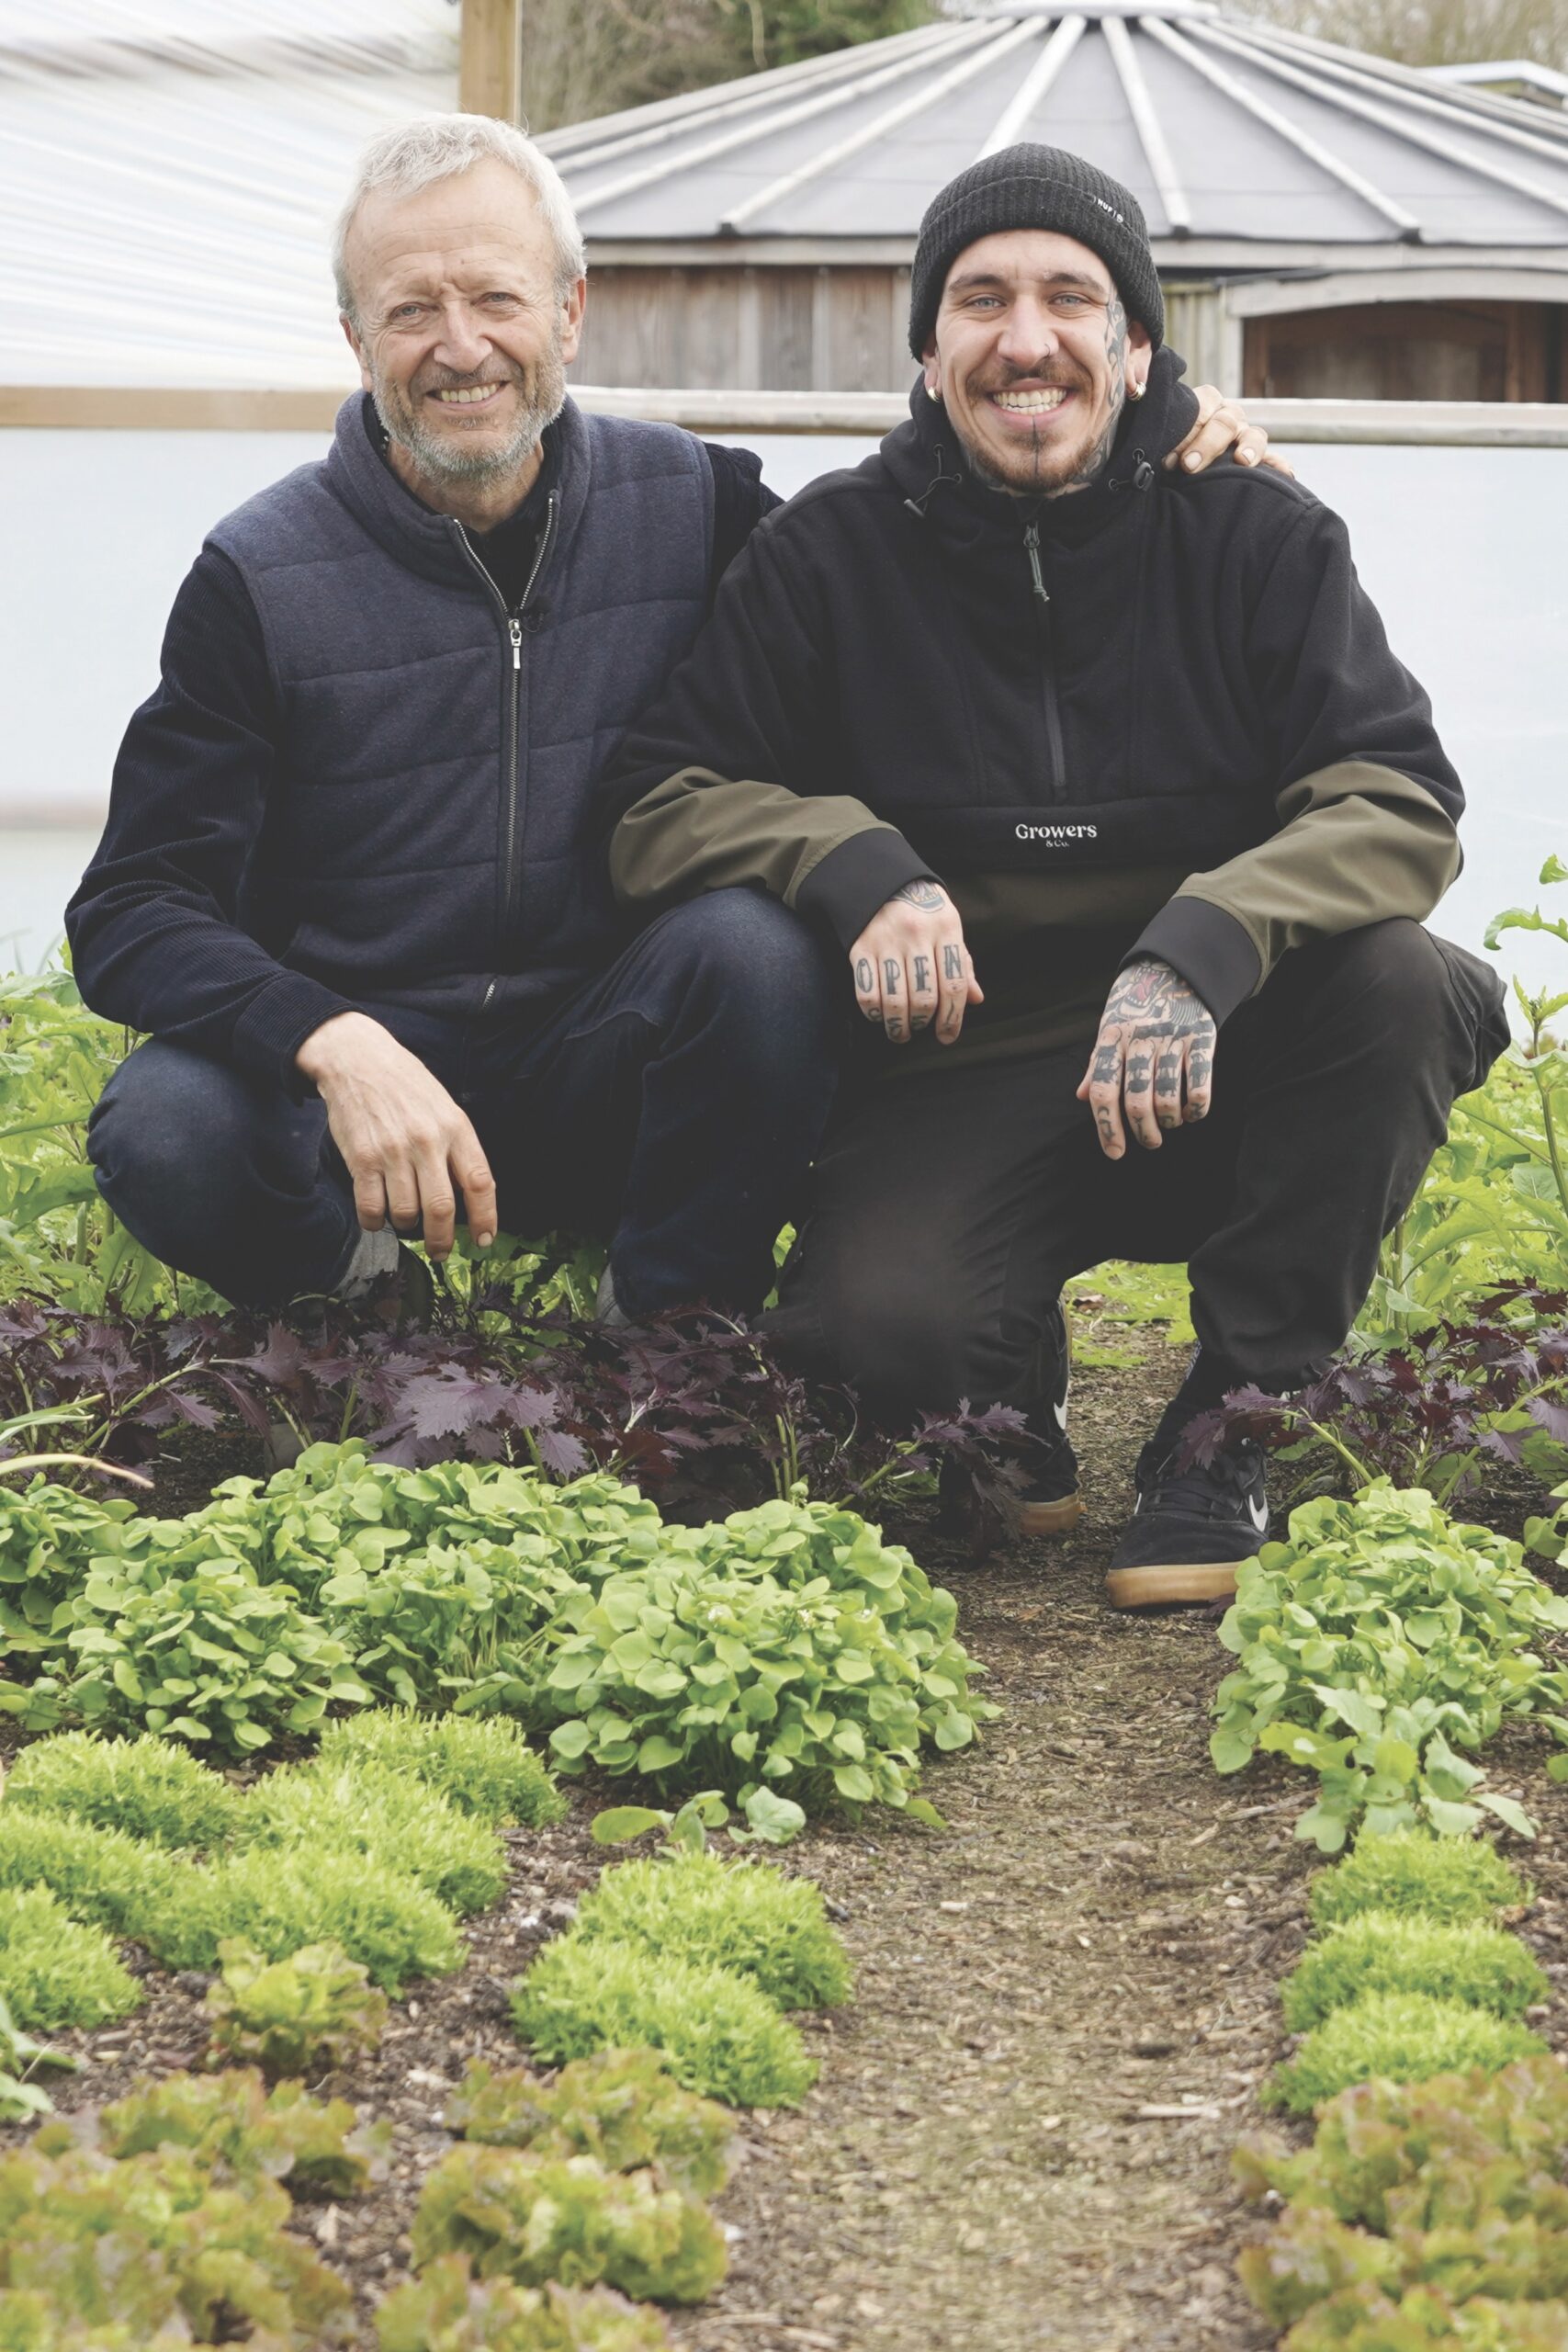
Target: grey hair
(412, 155)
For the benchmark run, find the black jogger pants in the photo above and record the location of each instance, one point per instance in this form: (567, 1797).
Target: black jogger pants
(949, 1209)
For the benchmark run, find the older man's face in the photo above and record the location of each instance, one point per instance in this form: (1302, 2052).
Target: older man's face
(462, 336)
(1032, 354)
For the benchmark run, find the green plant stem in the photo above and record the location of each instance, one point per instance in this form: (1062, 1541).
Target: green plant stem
(80, 1461)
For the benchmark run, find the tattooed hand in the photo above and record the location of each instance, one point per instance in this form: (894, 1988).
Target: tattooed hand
(911, 967)
(1155, 1047)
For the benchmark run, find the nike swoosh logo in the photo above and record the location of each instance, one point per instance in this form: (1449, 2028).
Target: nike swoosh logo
(1061, 1412)
(1258, 1514)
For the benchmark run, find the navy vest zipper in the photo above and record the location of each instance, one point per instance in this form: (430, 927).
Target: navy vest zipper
(511, 622)
(1055, 758)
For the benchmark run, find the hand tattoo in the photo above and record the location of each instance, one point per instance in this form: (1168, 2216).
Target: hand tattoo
(952, 963)
(1152, 1019)
(864, 978)
(923, 973)
(892, 973)
(923, 894)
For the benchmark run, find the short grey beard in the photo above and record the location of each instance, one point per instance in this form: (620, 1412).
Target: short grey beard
(448, 461)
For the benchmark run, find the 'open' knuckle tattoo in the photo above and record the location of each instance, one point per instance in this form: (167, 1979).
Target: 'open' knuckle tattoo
(923, 975)
(952, 963)
(892, 973)
(866, 978)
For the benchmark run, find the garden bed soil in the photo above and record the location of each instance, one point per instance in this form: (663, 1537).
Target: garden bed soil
(1064, 2005)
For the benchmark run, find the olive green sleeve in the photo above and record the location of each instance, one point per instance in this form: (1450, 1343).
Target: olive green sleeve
(1357, 842)
(825, 856)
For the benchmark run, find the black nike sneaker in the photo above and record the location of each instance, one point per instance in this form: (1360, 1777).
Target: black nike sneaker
(1190, 1530)
(1051, 1502)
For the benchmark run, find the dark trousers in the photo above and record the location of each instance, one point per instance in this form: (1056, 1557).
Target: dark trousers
(671, 1106)
(949, 1209)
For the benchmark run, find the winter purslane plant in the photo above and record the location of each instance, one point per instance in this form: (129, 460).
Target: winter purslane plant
(1376, 1643)
(787, 1646)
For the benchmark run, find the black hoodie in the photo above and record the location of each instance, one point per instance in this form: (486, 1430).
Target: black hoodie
(1156, 716)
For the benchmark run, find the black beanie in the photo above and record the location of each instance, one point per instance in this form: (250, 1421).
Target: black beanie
(1035, 188)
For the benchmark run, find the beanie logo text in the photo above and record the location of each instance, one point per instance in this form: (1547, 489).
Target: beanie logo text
(1056, 832)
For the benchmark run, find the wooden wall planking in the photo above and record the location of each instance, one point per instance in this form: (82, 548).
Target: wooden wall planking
(717, 329)
(842, 328)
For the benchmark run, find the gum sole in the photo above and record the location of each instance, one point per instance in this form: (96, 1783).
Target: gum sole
(1155, 1587)
(1051, 1519)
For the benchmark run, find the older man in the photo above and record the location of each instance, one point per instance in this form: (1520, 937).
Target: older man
(1072, 752)
(346, 882)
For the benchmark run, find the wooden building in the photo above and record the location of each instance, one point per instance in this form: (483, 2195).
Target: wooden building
(1326, 224)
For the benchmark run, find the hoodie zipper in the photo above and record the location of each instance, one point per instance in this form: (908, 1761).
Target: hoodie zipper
(511, 623)
(1055, 759)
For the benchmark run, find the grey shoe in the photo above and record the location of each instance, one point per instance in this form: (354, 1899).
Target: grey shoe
(607, 1308)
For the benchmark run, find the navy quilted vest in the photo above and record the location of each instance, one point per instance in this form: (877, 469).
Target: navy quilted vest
(426, 829)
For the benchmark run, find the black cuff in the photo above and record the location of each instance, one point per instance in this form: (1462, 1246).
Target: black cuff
(1207, 947)
(274, 1024)
(845, 889)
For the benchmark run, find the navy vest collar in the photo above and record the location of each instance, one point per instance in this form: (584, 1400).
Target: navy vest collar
(434, 546)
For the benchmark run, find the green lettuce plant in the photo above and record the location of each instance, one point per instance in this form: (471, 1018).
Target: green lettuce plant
(53, 1970)
(280, 1902)
(1378, 1636)
(1455, 1880)
(531, 2218)
(1414, 2156)
(623, 2107)
(235, 2129)
(447, 2309)
(369, 1809)
(102, 1877)
(479, 1764)
(151, 2242)
(740, 1916)
(144, 1787)
(1400, 2037)
(719, 2032)
(1379, 1952)
(1423, 2319)
(297, 2016)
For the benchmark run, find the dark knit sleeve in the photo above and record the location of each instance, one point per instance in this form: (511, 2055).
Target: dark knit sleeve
(155, 930)
(741, 499)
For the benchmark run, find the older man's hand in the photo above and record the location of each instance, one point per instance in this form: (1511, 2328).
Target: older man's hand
(1153, 1061)
(1222, 426)
(405, 1143)
(911, 967)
